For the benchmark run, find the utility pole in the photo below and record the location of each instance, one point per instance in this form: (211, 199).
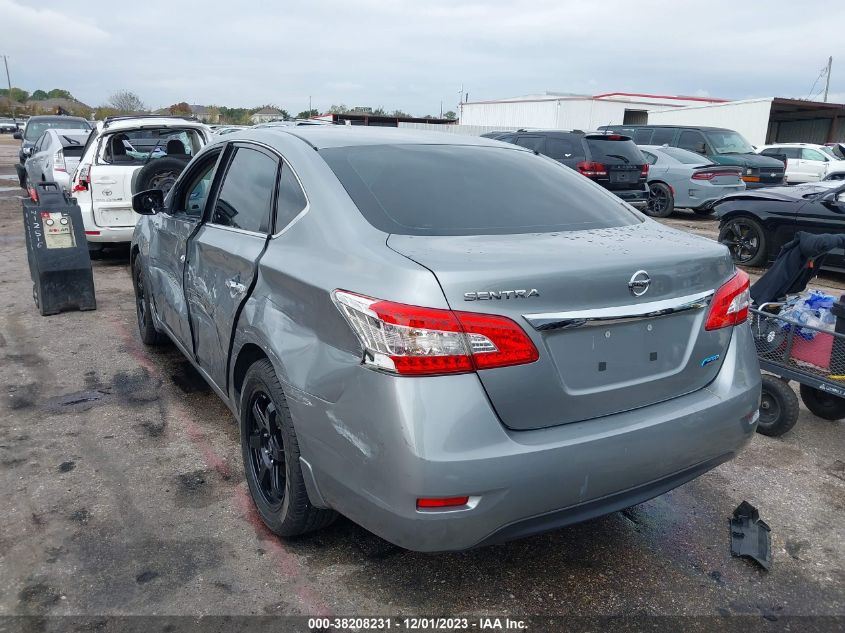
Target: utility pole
(309, 106)
(827, 78)
(9, 81)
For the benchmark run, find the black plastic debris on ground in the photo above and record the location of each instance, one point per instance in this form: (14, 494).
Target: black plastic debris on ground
(751, 537)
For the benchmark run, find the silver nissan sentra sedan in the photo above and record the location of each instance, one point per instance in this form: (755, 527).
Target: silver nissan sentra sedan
(452, 341)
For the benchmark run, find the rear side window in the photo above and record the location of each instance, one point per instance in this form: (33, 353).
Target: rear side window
(534, 143)
(649, 157)
(470, 190)
(604, 150)
(291, 200)
(247, 192)
(662, 136)
(811, 154)
(684, 156)
(564, 149)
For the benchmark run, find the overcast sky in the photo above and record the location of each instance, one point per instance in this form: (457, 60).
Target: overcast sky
(411, 55)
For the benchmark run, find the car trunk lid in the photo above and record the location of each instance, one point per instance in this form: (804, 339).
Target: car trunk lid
(111, 193)
(592, 362)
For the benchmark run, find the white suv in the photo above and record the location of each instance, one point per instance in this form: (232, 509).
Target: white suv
(805, 162)
(124, 155)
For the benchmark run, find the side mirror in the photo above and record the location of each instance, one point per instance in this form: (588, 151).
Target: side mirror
(18, 135)
(148, 202)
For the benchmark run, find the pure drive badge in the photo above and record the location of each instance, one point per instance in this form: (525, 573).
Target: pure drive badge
(489, 295)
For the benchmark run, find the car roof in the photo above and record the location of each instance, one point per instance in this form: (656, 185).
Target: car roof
(57, 117)
(327, 136)
(682, 127)
(148, 122)
(790, 145)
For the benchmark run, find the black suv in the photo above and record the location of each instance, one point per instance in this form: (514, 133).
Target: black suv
(611, 160)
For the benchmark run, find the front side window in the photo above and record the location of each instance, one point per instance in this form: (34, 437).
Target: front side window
(470, 190)
(247, 192)
(642, 136)
(729, 142)
(197, 188)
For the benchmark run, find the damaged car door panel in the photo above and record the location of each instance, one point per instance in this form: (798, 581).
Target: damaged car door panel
(343, 294)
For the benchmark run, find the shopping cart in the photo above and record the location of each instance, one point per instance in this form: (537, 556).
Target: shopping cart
(789, 349)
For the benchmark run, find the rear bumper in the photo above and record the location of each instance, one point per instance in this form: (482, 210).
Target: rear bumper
(103, 234)
(635, 197)
(388, 441)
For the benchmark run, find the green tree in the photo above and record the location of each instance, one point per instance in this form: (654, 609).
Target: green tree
(339, 109)
(39, 95)
(379, 111)
(58, 93)
(16, 94)
(307, 114)
(399, 113)
(450, 115)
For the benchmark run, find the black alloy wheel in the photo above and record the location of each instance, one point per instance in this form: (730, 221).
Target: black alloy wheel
(746, 240)
(266, 449)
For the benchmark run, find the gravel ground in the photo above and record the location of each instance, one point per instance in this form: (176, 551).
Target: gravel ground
(122, 490)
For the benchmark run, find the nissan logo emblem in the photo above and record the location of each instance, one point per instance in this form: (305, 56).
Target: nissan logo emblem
(639, 283)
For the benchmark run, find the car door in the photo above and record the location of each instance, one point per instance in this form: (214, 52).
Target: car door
(814, 164)
(823, 214)
(34, 164)
(168, 245)
(223, 255)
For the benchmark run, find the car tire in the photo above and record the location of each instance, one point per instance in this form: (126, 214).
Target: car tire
(823, 404)
(21, 176)
(661, 202)
(778, 407)
(146, 328)
(270, 452)
(159, 173)
(746, 240)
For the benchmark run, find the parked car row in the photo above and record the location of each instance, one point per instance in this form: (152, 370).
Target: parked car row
(805, 162)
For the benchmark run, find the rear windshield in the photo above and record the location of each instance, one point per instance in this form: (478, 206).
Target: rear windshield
(469, 190)
(71, 141)
(604, 150)
(137, 147)
(35, 129)
(684, 156)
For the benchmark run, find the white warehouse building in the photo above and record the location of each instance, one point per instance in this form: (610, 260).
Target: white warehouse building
(572, 112)
(761, 121)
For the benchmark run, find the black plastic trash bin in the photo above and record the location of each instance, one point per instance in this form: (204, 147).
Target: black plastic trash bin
(57, 251)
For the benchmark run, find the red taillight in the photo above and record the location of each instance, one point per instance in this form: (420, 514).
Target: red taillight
(416, 341)
(710, 175)
(730, 303)
(644, 172)
(84, 179)
(590, 169)
(33, 194)
(59, 161)
(448, 502)
(92, 232)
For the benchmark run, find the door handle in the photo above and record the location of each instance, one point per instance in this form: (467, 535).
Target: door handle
(235, 287)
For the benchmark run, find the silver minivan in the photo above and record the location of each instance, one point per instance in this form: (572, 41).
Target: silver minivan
(451, 341)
